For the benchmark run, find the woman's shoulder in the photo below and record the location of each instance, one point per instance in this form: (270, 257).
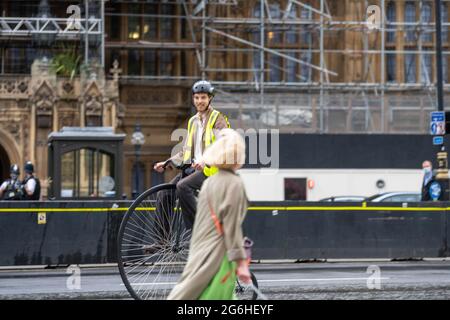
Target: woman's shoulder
(227, 175)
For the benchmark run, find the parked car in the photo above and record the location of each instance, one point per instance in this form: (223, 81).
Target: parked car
(344, 199)
(395, 197)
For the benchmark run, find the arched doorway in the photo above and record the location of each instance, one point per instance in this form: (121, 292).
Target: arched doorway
(5, 163)
(9, 153)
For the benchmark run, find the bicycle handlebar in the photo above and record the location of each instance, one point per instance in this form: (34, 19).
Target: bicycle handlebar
(182, 166)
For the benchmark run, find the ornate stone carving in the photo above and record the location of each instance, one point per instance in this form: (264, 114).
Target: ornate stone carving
(67, 87)
(115, 71)
(93, 100)
(13, 128)
(44, 99)
(14, 88)
(45, 93)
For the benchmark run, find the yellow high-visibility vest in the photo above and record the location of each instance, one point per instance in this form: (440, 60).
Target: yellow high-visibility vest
(209, 139)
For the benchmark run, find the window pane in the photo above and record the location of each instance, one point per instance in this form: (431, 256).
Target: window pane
(275, 68)
(291, 69)
(150, 63)
(83, 172)
(426, 18)
(134, 62)
(410, 16)
(88, 174)
(410, 68)
(149, 30)
(114, 22)
(134, 22)
(291, 35)
(390, 66)
(166, 63)
(19, 59)
(68, 175)
(295, 189)
(306, 33)
(257, 10)
(274, 36)
(391, 17)
(14, 60)
(167, 23)
(256, 66)
(26, 8)
(107, 184)
(426, 68)
(444, 15)
(306, 71)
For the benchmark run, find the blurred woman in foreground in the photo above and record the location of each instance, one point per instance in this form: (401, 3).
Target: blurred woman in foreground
(217, 254)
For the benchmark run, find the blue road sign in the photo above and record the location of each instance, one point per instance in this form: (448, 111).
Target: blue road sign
(437, 123)
(435, 190)
(437, 116)
(437, 141)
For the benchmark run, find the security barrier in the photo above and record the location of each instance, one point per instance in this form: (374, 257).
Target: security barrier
(85, 232)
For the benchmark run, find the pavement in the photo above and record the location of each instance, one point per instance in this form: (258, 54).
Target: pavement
(347, 280)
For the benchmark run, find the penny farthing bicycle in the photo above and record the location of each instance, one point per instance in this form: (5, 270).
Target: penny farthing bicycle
(153, 244)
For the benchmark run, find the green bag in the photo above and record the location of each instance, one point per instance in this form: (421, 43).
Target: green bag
(223, 284)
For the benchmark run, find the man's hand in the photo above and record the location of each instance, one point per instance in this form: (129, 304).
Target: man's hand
(159, 167)
(198, 165)
(243, 272)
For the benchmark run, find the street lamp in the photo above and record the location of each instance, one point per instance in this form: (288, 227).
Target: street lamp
(137, 140)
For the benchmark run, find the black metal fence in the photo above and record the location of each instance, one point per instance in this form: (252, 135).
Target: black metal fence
(85, 232)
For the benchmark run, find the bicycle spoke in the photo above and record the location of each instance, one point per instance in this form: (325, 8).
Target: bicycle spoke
(153, 244)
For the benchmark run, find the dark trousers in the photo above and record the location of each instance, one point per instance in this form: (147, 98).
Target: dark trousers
(186, 192)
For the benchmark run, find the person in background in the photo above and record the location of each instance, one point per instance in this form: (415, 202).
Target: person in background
(428, 178)
(217, 254)
(11, 189)
(31, 184)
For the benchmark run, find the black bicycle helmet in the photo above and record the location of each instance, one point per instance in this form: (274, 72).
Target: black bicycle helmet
(203, 86)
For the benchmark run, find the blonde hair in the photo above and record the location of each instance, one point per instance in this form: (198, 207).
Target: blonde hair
(227, 152)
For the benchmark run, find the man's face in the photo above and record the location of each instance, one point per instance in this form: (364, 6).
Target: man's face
(201, 101)
(426, 165)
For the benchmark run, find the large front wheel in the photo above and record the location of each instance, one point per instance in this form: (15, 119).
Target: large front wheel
(153, 244)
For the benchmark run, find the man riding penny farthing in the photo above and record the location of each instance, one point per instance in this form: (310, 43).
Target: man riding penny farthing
(154, 234)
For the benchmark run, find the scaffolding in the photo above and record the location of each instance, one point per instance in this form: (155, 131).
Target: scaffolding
(73, 28)
(321, 92)
(333, 66)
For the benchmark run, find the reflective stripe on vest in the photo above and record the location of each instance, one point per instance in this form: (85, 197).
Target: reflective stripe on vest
(187, 152)
(209, 139)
